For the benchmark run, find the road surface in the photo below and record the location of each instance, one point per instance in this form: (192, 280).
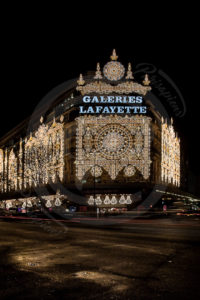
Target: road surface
(142, 259)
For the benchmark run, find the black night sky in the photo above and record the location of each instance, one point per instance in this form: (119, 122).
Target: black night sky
(38, 58)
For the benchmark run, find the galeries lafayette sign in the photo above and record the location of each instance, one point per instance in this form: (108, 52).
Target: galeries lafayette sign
(130, 105)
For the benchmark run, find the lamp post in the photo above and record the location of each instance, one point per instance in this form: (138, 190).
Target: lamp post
(97, 208)
(94, 192)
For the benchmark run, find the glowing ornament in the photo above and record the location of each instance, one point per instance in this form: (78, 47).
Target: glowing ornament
(128, 200)
(91, 200)
(113, 200)
(58, 202)
(98, 200)
(107, 200)
(122, 199)
(8, 205)
(48, 203)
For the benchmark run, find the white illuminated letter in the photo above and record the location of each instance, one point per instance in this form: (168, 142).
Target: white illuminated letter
(110, 99)
(81, 110)
(95, 100)
(86, 99)
(139, 99)
(98, 109)
(90, 110)
(143, 109)
(131, 99)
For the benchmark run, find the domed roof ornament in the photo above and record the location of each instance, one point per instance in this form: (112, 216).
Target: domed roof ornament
(81, 81)
(98, 72)
(113, 72)
(54, 122)
(61, 118)
(129, 72)
(146, 80)
(114, 55)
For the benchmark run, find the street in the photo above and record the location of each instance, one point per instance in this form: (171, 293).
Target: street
(142, 259)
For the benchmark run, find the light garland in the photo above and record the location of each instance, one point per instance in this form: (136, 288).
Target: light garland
(48, 204)
(8, 204)
(1, 169)
(110, 200)
(5, 180)
(113, 143)
(43, 159)
(106, 88)
(57, 202)
(170, 155)
(44, 155)
(113, 71)
(29, 203)
(12, 171)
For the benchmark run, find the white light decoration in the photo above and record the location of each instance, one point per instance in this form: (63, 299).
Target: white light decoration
(113, 71)
(98, 72)
(29, 203)
(128, 200)
(113, 200)
(113, 143)
(98, 200)
(91, 200)
(12, 171)
(8, 204)
(122, 200)
(5, 170)
(40, 160)
(49, 197)
(129, 171)
(20, 170)
(107, 200)
(110, 200)
(106, 88)
(2, 204)
(170, 155)
(44, 155)
(96, 171)
(58, 202)
(48, 204)
(24, 204)
(1, 170)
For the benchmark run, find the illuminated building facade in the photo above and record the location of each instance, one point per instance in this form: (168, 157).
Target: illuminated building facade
(170, 154)
(101, 140)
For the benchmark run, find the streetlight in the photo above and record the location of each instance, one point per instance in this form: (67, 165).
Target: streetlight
(94, 173)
